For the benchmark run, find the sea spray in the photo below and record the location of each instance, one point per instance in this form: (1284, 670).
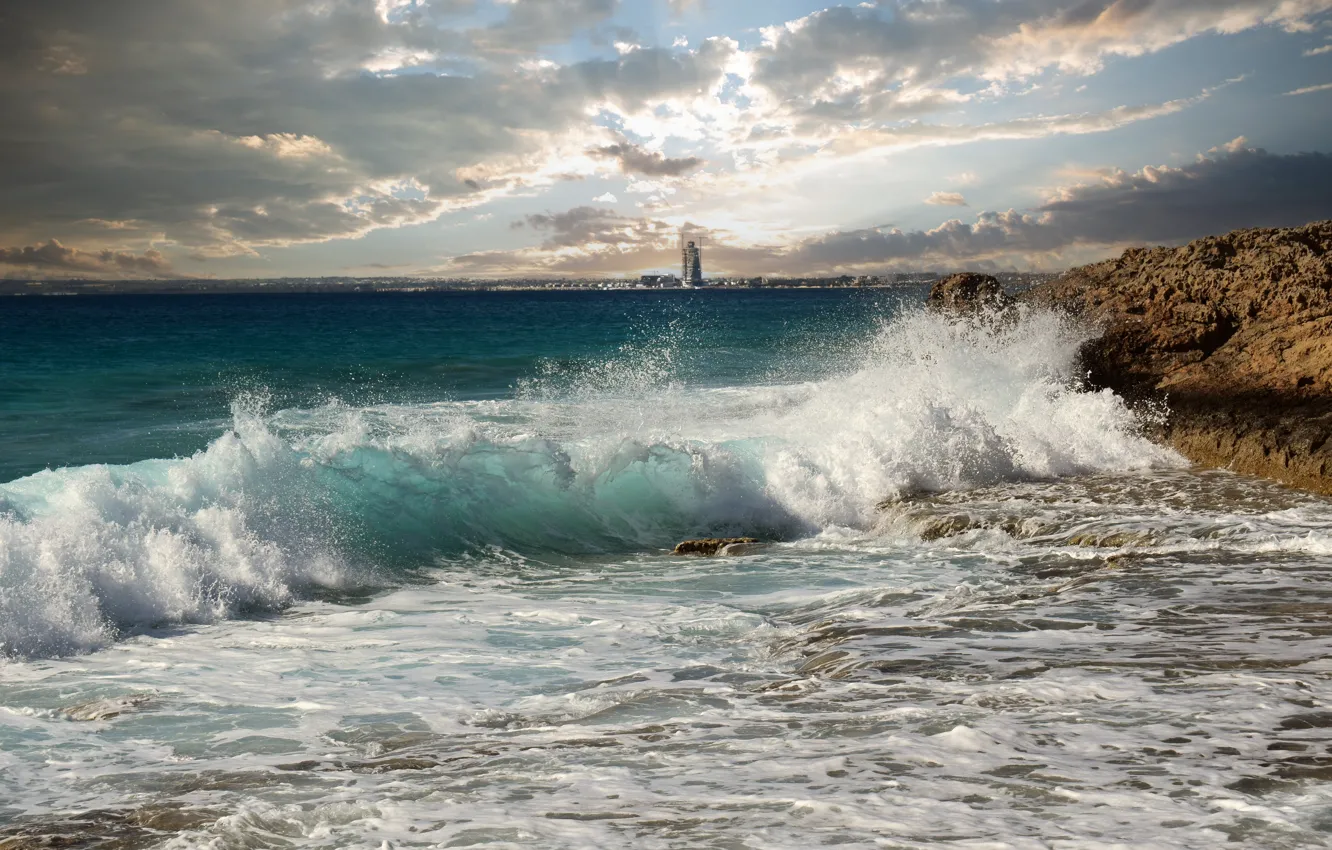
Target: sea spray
(95, 550)
(624, 457)
(942, 405)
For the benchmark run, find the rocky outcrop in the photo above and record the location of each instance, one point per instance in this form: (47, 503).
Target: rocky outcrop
(1233, 333)
(968, 292)
(717, 546)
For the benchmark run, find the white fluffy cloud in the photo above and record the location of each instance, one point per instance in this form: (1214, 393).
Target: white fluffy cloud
(946, 199)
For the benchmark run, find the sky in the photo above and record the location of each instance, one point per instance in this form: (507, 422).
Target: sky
(554, 138)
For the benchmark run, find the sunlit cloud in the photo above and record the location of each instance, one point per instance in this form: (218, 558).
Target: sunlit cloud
(306, 123)
(946, 199)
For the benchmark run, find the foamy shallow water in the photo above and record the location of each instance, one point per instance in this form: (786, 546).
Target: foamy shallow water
(863, 689)
(1055, 636)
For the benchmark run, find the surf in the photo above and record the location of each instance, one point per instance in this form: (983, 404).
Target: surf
(613, 457)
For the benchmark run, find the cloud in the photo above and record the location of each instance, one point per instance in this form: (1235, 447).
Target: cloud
(641, 78)
(584, 227)
(607, 198)
(52, 259)
(1310, 90)
(302, 121)
(1078, 124)
(679, 7)
(903, 50)
(635, 160)
(946, 199)
(592, 241)
(533, 23)
(293, 124)
(1230, 187)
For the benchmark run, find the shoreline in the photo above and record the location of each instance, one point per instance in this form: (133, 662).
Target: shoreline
(441, 290)
(373, 286)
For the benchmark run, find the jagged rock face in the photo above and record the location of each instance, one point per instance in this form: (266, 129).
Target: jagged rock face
(967, 292)
(1234, 332)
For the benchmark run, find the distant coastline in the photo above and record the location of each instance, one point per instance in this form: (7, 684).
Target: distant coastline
(293, 286)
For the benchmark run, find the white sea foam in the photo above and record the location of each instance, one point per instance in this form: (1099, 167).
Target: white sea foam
(1076, 720)
(624, 457)
(94, 550)
(1061, 640)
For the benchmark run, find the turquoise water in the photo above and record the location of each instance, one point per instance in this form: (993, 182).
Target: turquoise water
(119, 379)
(393, 571)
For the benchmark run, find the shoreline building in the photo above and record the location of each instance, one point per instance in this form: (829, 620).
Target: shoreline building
(691, 261)
(659, 281)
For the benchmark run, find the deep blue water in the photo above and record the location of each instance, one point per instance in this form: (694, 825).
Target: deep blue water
(117, 379)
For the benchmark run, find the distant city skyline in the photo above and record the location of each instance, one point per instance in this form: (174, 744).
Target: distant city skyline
(567, 138)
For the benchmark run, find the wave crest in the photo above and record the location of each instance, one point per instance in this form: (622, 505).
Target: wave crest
(285, 502)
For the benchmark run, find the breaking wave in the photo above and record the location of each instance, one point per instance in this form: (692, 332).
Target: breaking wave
(619, 457)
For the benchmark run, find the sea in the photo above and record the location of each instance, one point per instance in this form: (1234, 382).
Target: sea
(394, 571)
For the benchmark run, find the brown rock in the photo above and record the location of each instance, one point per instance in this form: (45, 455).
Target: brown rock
(710, 546)
(968, 292)
(109, 829)
(1233, 333)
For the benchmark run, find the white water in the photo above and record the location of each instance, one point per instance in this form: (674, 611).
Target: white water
(1061, 639)
(626, 461)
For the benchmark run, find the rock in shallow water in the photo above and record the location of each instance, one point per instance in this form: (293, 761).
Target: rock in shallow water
(105, 709)
(709, 546)
(112, 829)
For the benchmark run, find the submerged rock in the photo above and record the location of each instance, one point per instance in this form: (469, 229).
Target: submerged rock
(122, 829)
(105, 709)
(744, 547)
(717, 546)
(1232, 334)
(388, 765)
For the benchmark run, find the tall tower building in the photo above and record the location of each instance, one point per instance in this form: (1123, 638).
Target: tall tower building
(691, 257)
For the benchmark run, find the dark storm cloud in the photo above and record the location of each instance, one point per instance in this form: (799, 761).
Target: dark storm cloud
(992, 233)
(54, 259)
(1231, 188)
(635, 160)
(228, 126)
